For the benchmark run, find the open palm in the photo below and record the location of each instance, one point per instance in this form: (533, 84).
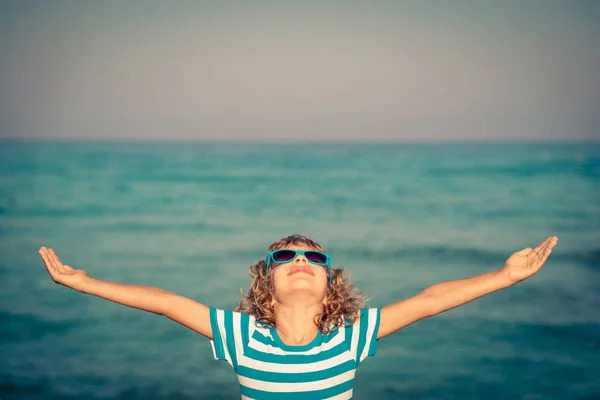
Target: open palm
(62, 274)
(525, 263)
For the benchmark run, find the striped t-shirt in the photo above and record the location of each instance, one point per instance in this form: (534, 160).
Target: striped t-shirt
(267, 368)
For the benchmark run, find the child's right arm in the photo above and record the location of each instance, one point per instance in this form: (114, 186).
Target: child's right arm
(183, 310)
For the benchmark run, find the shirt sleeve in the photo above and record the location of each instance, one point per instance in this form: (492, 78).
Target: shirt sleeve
(230, 332)
(362, 336)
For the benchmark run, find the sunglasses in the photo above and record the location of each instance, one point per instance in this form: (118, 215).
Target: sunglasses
(283, 256)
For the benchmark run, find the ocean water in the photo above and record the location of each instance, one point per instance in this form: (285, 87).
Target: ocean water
(191, 218)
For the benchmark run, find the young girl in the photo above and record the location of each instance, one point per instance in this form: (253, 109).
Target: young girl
(302, 329)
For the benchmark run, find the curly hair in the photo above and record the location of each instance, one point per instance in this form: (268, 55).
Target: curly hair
(343, 301)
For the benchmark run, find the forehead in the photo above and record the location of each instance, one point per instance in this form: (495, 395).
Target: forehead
(297, 246)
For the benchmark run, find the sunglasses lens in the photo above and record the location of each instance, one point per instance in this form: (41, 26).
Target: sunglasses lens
(316, 257)
(284, 255)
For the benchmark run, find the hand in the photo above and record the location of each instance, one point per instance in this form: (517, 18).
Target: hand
(525, 263)
(62, 274)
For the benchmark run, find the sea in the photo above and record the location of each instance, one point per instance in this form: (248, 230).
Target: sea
(191, 217)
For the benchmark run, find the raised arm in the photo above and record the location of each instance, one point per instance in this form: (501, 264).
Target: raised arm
(448, 295)
(182, 310)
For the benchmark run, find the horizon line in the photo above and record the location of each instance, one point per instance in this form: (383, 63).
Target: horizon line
(299, 140)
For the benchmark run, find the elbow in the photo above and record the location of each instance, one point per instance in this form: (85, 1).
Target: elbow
(165, 303)
(430, 305)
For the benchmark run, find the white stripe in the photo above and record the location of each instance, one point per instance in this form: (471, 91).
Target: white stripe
(212, 344)
(267, 348)
(372, 319)
(355, 335)
(246, 398)
(295, 368)
(342, 396)
(221, 324)
(266, 332)
(237, 334)
(279, 387)
(251, 325)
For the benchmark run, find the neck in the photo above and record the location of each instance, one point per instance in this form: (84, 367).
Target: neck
(296, 323)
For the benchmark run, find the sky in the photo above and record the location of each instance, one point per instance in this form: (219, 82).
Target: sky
(337, 70)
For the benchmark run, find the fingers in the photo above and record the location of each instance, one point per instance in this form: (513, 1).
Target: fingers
(552, 241)
(44, 254)
(544, 257)
(541, 246)
(542, 252)
(55, 260)
(53, 264)
(546, 244)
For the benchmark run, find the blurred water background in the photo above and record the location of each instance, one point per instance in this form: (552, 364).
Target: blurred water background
(190, 217)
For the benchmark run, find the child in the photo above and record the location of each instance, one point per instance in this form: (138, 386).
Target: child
(302, 329)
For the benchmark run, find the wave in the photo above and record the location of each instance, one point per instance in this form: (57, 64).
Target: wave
(589, 168)
(19, 327)
(40, 389)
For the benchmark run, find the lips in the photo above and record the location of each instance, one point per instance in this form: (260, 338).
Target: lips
(302, 269)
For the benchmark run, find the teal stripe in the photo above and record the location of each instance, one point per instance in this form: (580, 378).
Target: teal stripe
(350, 332)
(374, 340)
(260, 337)
(217, 338)
(312, 395)
(327, 338)
(266, 339)
(245, 327)
(295, 358)
(230, 337)
(282, 377)
(362, 334)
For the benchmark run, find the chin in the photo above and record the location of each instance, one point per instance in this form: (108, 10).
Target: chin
(303, 286)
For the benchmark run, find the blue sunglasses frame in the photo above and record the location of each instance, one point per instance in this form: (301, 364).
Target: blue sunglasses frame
(326, 264)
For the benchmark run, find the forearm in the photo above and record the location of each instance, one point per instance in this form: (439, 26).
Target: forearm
(451, 294)
(145, 298)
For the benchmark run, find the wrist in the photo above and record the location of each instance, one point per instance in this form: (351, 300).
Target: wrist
(504, 277)
(84, 285)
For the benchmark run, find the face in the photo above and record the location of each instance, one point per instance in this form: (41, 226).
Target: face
(299, 280)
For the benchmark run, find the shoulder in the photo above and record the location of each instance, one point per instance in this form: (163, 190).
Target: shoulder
(366, 316)
(230, 319)
(369, 319)
(364, 319)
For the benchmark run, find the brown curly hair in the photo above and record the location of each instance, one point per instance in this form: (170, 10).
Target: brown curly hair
(343, 301)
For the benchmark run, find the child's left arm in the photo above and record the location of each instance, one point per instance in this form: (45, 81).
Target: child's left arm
(448, 295)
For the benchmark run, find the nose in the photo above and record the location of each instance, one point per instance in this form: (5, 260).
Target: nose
(300, 258)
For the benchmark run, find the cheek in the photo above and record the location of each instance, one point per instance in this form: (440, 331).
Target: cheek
(323, 272)
(323, 279)
(279, 274)
(273, 269)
